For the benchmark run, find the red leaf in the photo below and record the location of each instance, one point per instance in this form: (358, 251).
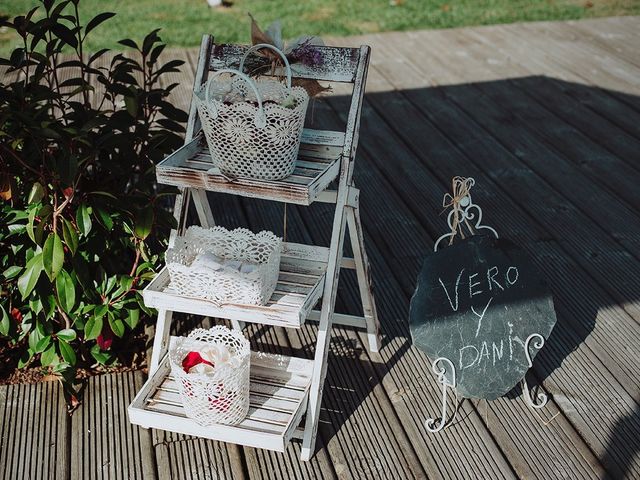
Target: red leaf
(67, 192)
(16, 314)
(105, 339)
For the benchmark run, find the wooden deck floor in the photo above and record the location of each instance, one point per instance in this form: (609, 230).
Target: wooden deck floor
(546, 117)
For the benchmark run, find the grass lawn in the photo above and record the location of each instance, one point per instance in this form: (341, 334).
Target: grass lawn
(184, 21)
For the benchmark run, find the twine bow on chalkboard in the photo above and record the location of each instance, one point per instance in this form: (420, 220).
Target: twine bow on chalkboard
(459, 200)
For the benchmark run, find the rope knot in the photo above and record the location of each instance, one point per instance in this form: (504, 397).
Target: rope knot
(458, 199)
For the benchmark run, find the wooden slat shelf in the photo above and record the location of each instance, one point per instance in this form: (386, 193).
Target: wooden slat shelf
(316, 167)
(300, 285)
(278, 395)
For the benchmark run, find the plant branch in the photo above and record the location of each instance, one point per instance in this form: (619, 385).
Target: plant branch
(17, 158)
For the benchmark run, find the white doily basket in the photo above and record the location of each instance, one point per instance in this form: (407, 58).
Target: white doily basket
(226, 285)
(220, 397)
(253, 135)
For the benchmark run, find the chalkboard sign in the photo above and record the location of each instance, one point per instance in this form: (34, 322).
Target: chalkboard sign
(476, 303)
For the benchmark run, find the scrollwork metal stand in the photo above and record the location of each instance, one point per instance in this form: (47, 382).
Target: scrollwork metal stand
(432, 424)
(541, 398)
(463, 211)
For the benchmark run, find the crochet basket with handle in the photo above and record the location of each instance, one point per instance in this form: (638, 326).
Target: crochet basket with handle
(253, 128)
(221, 396)
(262, 250)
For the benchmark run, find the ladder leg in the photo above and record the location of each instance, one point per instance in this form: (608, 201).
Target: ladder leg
(363, 273)
(161, 339)
(324, 334)
(203, 208)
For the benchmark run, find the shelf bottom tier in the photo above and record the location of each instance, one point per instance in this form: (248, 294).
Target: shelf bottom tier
(278, 398)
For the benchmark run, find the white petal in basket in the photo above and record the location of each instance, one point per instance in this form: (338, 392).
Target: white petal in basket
(219, 394)
(249, 264)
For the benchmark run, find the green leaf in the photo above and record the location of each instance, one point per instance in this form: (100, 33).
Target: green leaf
(83, 220)
(70, 235)
(42, 344)
(131, 103)
(104, 218)
(35, 304)
(36, 194)
(68, 335)
(34, 337)
(29, 278)
(81, 269)
(93, 328)
(67, 352)
(132, 318)
(25, 358)
(127, 42)
(4, 322)
(52, 256)
(144, 222)
(30, 222)
(117, 326)
(95, 21)
(66, 290)
(49, 356)
(100, 356)
(11, 272)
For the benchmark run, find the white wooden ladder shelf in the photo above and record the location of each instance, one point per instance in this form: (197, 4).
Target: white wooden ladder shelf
(283, 389)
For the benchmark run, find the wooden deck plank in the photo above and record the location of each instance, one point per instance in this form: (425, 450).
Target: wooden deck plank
(518, 51)
(33, 432)
(511, 443)
(592, 69)
(560, 138)
(595, 118)
(601, 151)
(104, 443)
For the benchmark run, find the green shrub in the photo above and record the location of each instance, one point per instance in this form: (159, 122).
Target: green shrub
(81, 219)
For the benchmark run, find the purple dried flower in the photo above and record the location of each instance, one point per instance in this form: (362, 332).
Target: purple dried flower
(307, 54)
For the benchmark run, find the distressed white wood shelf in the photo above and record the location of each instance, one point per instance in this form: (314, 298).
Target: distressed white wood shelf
(316, 167)
(278, 395)
(281, 391)
(299, 287)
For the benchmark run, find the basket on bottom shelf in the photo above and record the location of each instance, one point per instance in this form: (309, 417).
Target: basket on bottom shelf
(225, 266)
(211, 369)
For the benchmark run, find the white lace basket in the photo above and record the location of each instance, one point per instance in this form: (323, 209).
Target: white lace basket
(261, 250)
(221, 396)
(248, 134)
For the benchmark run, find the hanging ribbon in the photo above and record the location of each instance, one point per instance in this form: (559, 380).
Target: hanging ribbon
(460, 188)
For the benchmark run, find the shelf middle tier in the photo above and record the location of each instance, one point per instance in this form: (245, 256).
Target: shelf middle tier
(318, 164)
(300, 286)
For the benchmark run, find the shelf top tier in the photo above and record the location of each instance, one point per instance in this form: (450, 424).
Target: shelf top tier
(318, 164)
(278, 395)
(300, 285)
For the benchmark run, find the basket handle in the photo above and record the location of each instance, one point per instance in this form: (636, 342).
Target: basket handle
(260, 120)
(275, 49)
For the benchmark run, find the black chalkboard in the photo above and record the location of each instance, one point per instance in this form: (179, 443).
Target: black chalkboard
(476, 302)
